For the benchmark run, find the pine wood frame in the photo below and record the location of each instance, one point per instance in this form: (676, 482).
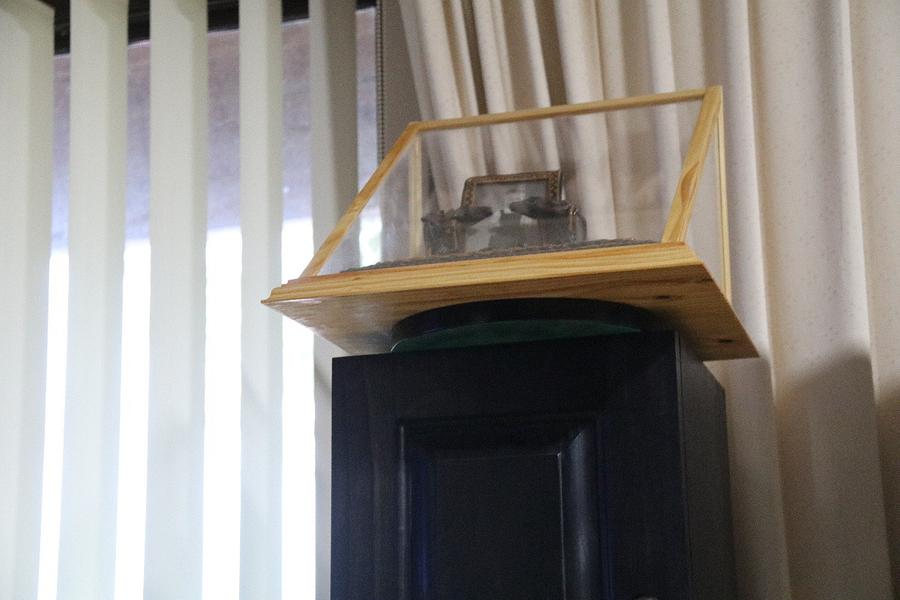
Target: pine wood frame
(356, 309)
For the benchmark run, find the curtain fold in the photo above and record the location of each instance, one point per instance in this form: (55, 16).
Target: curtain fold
(809, 174)
(876, 94)
(810, 94)
(758, 518)
(26, 148)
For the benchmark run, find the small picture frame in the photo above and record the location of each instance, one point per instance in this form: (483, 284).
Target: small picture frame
(499, 191)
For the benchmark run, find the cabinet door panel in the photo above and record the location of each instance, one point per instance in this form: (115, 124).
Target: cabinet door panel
(502, 508)
(551, 470)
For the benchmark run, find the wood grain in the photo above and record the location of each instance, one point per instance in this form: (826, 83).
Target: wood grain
(723, 205)
(356, 310)
(415, 209)
(683, 203)
(566, 110)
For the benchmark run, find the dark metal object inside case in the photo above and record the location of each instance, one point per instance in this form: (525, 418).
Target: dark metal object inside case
(526, 210)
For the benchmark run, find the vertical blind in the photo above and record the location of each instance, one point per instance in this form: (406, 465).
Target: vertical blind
(178, 176)
(26, 137)
(261, 360)
(96, 244)
(91, 531)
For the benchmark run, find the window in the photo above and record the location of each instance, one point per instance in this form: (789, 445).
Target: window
(222, 430)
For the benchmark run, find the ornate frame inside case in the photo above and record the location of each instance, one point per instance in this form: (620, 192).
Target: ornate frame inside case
(637, 215)
(550, 179)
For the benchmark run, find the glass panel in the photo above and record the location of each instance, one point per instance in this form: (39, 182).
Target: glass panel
(381, 232)
(704, 233)
(555, 183)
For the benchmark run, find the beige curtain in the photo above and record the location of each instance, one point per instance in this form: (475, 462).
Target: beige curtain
(812, 108)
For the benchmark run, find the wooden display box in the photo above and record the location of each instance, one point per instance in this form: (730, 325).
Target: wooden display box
(651, 161)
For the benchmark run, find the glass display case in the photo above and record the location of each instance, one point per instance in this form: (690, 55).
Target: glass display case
(547, 202)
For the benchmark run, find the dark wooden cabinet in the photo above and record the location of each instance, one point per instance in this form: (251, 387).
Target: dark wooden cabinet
(591, 468)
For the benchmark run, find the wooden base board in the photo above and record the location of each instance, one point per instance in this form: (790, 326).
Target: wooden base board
(356, 310)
